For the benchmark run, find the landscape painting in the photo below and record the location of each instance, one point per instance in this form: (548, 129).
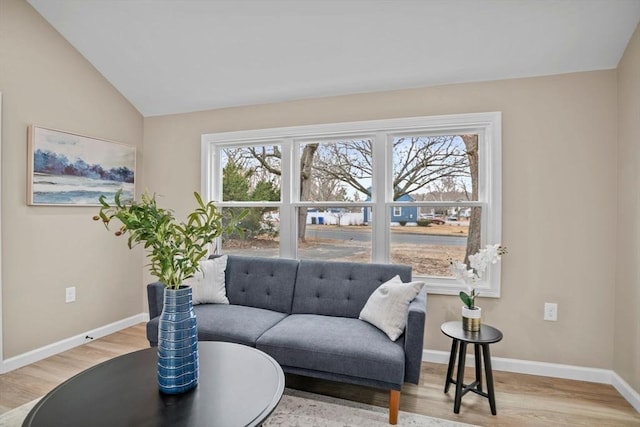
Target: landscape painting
(70, 169)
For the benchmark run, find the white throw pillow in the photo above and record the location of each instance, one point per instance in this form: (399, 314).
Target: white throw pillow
(208, 285)
(388, 306)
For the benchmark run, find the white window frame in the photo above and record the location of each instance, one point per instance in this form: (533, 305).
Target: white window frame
(488, 126)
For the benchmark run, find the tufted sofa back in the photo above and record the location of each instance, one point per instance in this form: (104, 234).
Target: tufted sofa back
(340, 288)
(261, 282)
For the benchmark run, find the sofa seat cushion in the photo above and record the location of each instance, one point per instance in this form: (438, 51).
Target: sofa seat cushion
(234, 323)
(223, 322)
(338, 345)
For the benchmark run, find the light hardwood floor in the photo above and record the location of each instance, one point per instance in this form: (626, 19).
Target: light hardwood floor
(522, 400)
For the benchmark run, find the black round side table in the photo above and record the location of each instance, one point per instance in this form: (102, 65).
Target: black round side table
(481, 339)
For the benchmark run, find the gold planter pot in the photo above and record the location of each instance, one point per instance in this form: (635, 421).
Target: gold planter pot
(471, 318)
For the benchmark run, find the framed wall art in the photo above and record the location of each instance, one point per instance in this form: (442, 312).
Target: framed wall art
(75, 170)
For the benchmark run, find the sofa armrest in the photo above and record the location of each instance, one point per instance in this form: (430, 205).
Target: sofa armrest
(155, 295)
(414, 337)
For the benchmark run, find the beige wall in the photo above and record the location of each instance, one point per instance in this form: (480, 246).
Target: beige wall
(560, 186)
(559, 181)
(627, 309)
(44, 81)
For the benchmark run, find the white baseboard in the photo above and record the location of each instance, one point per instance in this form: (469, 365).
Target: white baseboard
(626, 391)
(69, 343)
(555, 370)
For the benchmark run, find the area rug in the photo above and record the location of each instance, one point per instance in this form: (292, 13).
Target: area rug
(302, 409)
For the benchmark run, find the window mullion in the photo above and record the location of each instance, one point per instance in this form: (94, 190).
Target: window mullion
(213, 185)
(380, 239)
(215, 180)
(289, 192)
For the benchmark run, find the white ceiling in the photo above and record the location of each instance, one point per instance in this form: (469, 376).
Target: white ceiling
(174, 56)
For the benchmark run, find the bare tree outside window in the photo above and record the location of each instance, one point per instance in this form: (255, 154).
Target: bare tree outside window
(439, 168)
(434, 168)
(348, 163)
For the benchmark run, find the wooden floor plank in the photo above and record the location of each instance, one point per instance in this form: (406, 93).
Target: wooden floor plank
(522, 400)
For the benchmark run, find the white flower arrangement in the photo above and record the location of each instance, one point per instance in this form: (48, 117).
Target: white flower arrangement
(479, 262)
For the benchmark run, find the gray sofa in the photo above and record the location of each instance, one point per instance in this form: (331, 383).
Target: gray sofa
(305, 315)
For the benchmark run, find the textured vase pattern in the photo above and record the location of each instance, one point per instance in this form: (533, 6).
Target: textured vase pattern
(177, 343)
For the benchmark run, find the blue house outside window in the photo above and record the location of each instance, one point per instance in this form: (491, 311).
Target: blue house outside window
(406, 214)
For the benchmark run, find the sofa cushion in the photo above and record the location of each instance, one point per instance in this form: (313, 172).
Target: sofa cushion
(208, 284)
(388, 306)
(261, 282)
(340, 288)
(338, 345)
(223, 322)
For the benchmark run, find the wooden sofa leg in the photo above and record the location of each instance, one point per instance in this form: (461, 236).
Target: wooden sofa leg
(394, 406)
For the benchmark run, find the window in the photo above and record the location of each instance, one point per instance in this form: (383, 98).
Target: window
(415, 191)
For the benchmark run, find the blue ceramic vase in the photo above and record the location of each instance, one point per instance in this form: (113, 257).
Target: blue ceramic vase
(177, 343)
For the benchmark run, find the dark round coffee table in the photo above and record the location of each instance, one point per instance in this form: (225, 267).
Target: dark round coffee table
(238, 386)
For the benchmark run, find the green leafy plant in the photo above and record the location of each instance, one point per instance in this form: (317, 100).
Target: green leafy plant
(174, 249)
(470, 298)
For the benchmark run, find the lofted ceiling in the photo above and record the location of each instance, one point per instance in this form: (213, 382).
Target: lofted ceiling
(176, 56)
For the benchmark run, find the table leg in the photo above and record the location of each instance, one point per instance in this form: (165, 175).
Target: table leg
(452, 360)
(462, 354)
(489, 374)
(478, 366)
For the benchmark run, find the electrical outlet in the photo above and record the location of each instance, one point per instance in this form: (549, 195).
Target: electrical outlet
(551, 311)
(70, 294)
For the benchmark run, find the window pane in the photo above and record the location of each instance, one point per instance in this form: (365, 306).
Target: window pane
(259, 236)
(439, 235)
(251, 173)
(435, 168)
(336, 171)
(336, 234)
